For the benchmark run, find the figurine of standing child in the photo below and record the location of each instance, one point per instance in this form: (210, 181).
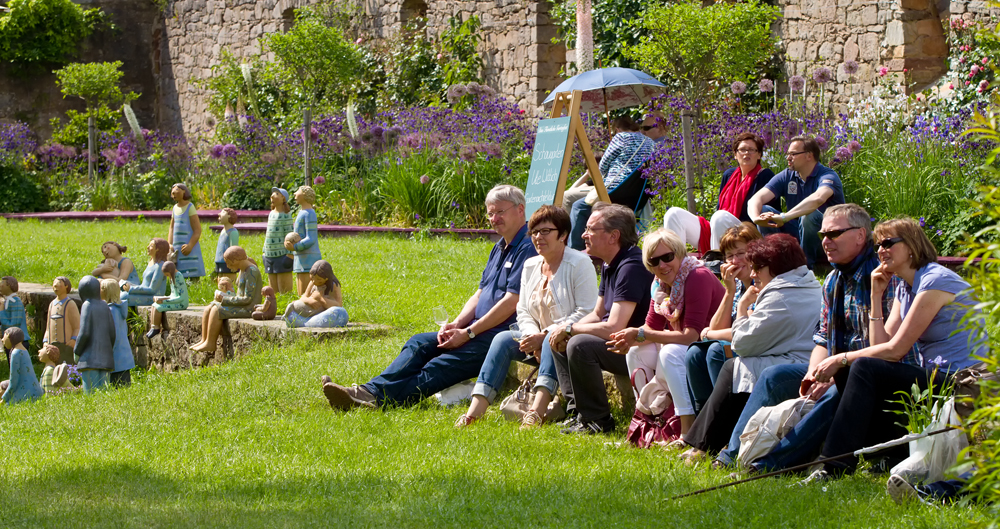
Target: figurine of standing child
(121, 375)
(95, 346)
(185, 233)
(229, 236)
(13, 314)
(306, 250)
(62, 326)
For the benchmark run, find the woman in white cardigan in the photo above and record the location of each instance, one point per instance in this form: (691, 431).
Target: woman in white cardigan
(778, 331)
(557, 286)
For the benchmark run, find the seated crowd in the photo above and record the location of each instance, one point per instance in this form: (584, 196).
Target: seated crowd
(761, 331)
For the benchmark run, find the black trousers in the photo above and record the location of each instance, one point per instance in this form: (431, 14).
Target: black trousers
(865, 416)
(579, 371)
(715, 422)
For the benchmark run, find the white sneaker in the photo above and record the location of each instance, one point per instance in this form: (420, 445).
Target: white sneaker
(818, 476)
(901, 491)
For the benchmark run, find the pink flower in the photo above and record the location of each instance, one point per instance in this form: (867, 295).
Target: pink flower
(358, 42)
(974, 70)
(425, 179)
(983, 85)
(951, 86)
(986, 60)
(961, 60)
(439, 57)
(920, 97)
(883, 71)
(967, 83)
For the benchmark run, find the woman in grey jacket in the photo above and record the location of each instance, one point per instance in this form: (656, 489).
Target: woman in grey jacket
(557, 286)
(778, 331)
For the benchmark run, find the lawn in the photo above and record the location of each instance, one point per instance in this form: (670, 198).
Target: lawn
(253, 443)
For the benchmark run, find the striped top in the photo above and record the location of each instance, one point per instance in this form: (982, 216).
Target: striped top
(278, 225)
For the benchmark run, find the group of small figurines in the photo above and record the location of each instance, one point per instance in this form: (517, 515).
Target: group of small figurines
(97, 334)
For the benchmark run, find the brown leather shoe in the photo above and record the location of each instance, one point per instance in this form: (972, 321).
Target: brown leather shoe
(344, 399)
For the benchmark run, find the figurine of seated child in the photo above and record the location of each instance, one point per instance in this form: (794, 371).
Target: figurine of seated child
(225, 287)
(269, 309)
(321, 305)
(23, 385)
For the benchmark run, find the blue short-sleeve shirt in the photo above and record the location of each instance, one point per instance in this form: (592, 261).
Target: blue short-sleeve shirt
(503, 273)
(944, 342)
(626, 279)
(788, 184)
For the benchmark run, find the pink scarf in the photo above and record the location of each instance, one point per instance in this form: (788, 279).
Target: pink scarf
(671, 305)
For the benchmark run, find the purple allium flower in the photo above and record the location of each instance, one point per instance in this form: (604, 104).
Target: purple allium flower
(765, 85)
(467, 153)
(854, 146)
(851, 67)
(230, 151)
(216, 151)
(738, 87)
(319, 180)
(424, 179)
(844, 154)
(822, 75)
(822, 143)
(797, 83)
(377, 131)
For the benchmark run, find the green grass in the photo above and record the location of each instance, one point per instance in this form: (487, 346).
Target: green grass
(253, 443)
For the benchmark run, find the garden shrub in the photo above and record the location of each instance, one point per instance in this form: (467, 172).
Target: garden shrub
(74, 130)
(35, 34)
(21, 193)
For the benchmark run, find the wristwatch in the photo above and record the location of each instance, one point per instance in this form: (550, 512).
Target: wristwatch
(569, 330)
(470, 332)
(843, 361)
(641, 337)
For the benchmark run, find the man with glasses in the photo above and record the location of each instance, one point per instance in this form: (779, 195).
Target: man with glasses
(652, 128)
(581, 353)
(843, 327)
(433, 361)
(809, 188)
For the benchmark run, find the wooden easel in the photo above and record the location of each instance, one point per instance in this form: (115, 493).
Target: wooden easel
(572, 100)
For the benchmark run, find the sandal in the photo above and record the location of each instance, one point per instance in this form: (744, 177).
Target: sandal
(692, 456)
(464, 421)
(678, 444)
(531, 420)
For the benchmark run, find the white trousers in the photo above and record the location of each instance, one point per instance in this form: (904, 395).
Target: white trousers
(665, 362)
(686, 225)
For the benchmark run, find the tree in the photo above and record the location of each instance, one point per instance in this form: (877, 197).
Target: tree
(317, 60)
(95, 82)
(696, 45)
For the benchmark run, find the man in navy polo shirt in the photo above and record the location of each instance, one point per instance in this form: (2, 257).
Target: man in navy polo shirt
(430, 362)
(806, 198)
(623, 301)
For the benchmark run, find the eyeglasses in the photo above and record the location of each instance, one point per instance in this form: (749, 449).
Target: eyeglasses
(590, 231)
(490, 215)
(648, 127)
(746, 151)
(833, 234)
(732, 257)
(543, 232)
(666, 258)
(793, 154)
(888, 242)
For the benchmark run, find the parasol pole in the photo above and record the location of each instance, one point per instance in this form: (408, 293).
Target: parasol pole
(607, 113)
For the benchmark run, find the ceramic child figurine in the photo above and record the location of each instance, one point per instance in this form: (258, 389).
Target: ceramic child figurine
(269, 309)
(239, 305)
(95, 347)
(322, 293)
(178, 299)
(49, 355)
(153, 281)
(63, 323)
(225, 286)
(277, 259)
(185, 231)
(115, 266)
(121, 375)
(229, 236)
(60, 378)
(12, 314)
(23, 385)
(306, 225)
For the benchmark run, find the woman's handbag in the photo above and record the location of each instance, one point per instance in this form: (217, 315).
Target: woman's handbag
(518, 403)
(654, 420)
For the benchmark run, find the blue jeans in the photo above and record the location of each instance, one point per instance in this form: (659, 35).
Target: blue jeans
(93, 379)
(775, 385)
(503, 351)
(578, 217)
(423, 369)
(704, 361)
(806, 230)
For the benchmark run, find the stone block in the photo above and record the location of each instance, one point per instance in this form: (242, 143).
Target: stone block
(869, 44)
(869, 15)
(826, 51)
(897, 32)
(796, 50)
(916, 5)
(851, 49)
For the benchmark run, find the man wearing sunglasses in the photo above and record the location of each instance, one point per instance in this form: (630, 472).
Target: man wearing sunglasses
(843, 326)
(809, 188)
(432, 361)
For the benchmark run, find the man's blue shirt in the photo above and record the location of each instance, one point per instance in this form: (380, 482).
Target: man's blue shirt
(788, 184)
(503, 274)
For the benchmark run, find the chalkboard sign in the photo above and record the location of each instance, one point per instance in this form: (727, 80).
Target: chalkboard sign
(545, 175)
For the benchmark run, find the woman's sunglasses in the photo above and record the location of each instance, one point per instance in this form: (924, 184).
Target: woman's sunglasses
(888, 242)
(666, 258)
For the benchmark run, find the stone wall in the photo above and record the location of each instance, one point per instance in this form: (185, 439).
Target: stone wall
(519, 59)
(35, 99)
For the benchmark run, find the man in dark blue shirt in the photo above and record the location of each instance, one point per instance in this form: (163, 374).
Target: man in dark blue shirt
(433, 361)
(806, 198)
(582, 350)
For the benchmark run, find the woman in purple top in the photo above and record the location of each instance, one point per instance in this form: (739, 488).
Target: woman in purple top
(928, 311)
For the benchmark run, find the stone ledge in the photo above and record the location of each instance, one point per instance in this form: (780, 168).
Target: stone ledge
(342, 230)
(158, 216)
(172, 353)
